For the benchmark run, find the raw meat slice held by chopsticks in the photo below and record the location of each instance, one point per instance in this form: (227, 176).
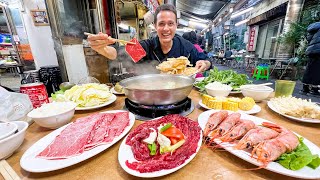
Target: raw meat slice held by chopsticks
(135, 51)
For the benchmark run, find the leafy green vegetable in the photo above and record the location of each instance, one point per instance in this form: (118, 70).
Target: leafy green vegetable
(167, 126)
(299, 158)
(315, 162)
(55, 95)
(229, 77)
(152, 148)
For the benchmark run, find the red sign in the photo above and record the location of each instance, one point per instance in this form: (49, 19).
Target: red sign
(253, 34)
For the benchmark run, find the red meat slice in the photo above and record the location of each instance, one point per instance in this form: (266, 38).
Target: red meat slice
(71, 141)
(135, 51)
(120, 121)
(98, 134)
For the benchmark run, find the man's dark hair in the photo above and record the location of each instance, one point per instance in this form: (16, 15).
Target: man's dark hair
(165, 7)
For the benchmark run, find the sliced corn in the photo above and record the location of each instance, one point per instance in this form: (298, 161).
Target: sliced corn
(246, 104)
(215, 104)
(206, 98)
(232, 106)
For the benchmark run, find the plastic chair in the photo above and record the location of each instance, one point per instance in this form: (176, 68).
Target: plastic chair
(261, 72)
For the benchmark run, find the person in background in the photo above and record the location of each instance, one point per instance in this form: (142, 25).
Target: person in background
(166, 45)
(192, 37)
(311, 77)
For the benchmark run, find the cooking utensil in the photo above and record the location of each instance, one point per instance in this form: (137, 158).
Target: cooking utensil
(253, 85)
(117, 40)
(152, 89)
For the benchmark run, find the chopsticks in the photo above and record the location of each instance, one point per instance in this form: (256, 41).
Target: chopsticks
(117, 40)
(7, 172)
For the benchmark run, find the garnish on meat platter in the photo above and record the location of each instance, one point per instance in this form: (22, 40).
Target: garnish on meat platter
(163, 144)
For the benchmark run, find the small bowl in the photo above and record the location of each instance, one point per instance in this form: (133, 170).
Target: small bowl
(218, 92)
(7, 129)
(10, 144)
(257, 93)
(56, 120)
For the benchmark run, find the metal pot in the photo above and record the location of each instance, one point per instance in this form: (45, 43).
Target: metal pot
(157, 89)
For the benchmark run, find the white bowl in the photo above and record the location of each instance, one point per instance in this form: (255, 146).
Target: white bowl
(257, 93)
(56, 120)
(218, 92)
(7, 129)
(10, 144)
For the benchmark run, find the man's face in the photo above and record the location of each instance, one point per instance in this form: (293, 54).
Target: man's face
(166, 26)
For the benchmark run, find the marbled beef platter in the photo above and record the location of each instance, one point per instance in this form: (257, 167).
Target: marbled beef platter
(161, 146)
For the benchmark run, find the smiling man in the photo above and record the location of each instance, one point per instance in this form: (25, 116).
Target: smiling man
(166, 45)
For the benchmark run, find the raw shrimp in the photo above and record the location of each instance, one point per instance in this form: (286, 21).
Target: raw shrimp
(238, 131)
(214, 120)
(255, 136)
(270, 150)
(225, 126)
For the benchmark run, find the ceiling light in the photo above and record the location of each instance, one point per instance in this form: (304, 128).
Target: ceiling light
(226, 33)
(231, 10)
(194, 24)
(241, 12)
(220, 19)
(241, 22)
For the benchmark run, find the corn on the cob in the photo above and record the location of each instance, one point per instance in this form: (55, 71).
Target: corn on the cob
(215, 104)
(246, 104)
(228, 105)
(206, 98)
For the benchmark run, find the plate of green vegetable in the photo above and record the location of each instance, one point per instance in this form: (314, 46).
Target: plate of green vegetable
(230, 77)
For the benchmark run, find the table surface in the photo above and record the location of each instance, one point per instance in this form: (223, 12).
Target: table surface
(207, 164)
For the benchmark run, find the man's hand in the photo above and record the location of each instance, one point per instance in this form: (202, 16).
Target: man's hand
(202, 65)
(100, 43)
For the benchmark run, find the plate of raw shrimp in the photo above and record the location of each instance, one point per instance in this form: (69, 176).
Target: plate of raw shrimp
(254, 140)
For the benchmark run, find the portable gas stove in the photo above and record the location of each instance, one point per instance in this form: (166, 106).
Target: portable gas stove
(147, 112)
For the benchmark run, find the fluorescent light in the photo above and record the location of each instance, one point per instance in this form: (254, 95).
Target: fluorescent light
(193, 23)
(231, 10)
(220, 19)
(226, 33)
(241, 12)
(241, 22)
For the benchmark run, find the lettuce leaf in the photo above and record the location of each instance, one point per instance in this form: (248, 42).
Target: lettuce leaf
(299, 158)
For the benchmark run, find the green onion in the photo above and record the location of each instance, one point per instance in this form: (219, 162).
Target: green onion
(153, 149)
(167, 126)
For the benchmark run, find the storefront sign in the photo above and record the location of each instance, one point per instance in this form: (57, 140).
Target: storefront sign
(253, 35)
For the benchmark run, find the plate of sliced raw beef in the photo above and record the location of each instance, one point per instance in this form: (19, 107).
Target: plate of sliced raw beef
(77, 141)
(136, 158)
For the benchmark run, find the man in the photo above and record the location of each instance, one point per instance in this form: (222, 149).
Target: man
(166, 45)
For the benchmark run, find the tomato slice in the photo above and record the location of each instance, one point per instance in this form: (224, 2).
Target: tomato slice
(174, 140)
(173, 132)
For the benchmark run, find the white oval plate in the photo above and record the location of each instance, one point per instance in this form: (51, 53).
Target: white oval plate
(30, 163)
(291, 117)
(125, 154)
(305, 173)
(115, 92)
(256, 108)
(111, 100)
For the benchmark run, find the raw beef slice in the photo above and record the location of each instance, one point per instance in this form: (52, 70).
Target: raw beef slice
(135, 51)
(71, 141)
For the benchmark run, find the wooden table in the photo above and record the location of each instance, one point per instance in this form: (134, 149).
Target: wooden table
(207, 164)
